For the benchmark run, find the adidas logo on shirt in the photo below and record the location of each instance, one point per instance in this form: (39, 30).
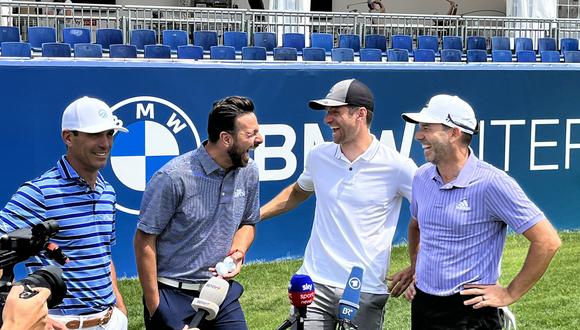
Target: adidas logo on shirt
(463, 205)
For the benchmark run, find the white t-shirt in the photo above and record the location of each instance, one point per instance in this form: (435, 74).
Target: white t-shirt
(357, 209)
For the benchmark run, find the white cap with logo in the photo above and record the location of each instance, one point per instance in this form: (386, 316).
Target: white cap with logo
(447, 110)
(90, 115)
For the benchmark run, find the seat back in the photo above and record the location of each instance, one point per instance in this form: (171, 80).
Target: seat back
(88, 50)
(397, 55)
(322, 40)
(452, 42)
(371, 55)
(450, 55)
(314, 54)
(524, 44)
(73, 36)
(222, 53)
(403, 42)
(294, 40)
(254, 53)
(55, 49)
(16, 49)
(157, 51)
(351, 41)
(37, 35)
(476, 42)
(476, 55)
(428, 42)
(572, 56)
(500, 43)
(567, 44)
(285, 54)
(190, 52)
(267, 40)
(236, 39)
(501, 55)
(108, 37)
(342, 55)
(174, 38)
(550, 56)
(142, 38)
(377, 41)
(424, 55)
(205, 39)
(9, 34)
(123, 51)
(526, 56)
(546, 44)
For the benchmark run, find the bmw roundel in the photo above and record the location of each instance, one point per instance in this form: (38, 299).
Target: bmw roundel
(158, 131)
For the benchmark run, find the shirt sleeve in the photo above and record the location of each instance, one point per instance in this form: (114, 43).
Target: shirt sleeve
(507, 201)
(413, 208)
(406, 174)
(252, 212)
(160, 200)
(305, 179)
(25, 209)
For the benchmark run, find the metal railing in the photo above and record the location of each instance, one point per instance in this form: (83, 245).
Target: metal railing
(60, 15)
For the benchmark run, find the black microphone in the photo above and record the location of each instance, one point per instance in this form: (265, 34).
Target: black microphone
(207, 306)
(348, 304)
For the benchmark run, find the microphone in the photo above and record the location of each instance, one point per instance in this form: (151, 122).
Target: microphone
(301, 293)
(348, 304)
(211, 296)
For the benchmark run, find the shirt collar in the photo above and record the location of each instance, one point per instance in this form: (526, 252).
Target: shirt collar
(68, 173)
(207, 163)
(367, 155)
(465, 175)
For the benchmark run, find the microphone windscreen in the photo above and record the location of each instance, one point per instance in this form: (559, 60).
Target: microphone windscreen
(215, 290)
(301, 290)
(349, 302)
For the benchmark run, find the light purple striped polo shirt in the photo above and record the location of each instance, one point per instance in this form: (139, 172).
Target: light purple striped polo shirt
(463, 224)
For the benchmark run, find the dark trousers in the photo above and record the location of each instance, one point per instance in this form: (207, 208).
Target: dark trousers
(439, 313)
(175, 310)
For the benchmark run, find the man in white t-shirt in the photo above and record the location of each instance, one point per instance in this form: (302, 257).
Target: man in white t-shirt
(359, 185)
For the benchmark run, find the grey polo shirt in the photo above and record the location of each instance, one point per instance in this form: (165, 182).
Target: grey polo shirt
(195, 207)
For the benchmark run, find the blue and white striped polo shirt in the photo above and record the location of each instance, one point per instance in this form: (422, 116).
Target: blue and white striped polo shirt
(463, 224)
(87, 231)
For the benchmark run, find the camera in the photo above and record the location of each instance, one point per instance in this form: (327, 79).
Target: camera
(20, 245)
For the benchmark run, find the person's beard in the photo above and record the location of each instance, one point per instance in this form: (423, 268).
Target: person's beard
(236, 154)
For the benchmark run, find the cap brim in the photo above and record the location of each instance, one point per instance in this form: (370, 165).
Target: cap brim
(99, 128)
(417, 118)
(323, 103)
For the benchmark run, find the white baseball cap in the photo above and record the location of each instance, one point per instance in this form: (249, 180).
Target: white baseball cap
(90, 115)
(447, 110)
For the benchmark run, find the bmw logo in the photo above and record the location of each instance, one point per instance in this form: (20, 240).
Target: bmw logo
(158, 131)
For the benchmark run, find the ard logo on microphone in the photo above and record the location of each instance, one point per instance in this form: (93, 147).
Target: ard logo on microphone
(354, 283)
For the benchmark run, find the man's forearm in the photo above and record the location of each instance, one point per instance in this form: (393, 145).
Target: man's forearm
(120, 303)
(243, 238)
(146, 255)
(414, 238)
(285, 201)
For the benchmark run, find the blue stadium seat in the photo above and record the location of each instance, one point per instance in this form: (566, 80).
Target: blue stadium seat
(501, 55)
(222, 53)
(342, 55)
(572, 56)
(174, 38)
(55, 49)
(190, 52)
(16, 49)
(294, 40)
(424, 55)
(371, 55)
(550, 56)
(524, 44)
(314, 54)
(568, 44)
(142, 38)
(9, 34)
(157, 51)
(377, 41)
(267, 40)
(285, 54)
(108, 37)
(526, 56)
(546, 44)
(450, 55)
(205, 39)
(37, 35)
(236, 39)
(254, 53)
(123, 51)
(476, 42)
(397, 55)
(322, 40)
(351, 41)
(500, 43)
(428, 42)
(403, 42)
(88, 50)
(73, 36)
(476, 55)
(452, 42)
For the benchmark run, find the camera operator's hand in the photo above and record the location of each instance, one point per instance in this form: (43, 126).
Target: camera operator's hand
(31, 313)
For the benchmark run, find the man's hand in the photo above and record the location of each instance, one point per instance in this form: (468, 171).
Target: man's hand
(238, 258)
(152, 303)
(25, 314)
(411, 292)
(400, 281)
(52, 324)
(487, 296)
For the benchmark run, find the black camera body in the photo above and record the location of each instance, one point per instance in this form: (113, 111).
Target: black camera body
(20, 245)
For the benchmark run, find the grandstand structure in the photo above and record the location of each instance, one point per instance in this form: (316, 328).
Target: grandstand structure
(234, 34)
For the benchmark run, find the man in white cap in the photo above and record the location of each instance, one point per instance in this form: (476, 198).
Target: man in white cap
(359, 185)
(460, 212)
(76, 195)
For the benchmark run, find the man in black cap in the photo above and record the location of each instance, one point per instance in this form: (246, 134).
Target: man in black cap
(359, 185)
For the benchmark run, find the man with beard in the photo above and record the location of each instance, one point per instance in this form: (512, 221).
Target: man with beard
(460, 212)
(359, 185)
(196, 210)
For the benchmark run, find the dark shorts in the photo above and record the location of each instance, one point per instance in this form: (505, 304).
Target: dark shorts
(175, 310)
(438, 313)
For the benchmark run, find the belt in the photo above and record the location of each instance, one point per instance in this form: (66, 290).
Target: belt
(88, 323)
(181, 285)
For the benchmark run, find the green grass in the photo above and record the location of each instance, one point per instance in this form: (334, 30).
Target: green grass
(551, 304)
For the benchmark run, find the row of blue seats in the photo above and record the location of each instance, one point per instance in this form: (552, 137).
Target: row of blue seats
(21, 49)
(206, 39)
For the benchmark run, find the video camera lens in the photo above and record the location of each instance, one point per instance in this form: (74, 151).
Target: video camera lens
(49, 277)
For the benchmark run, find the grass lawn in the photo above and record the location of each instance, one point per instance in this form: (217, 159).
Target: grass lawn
(551, 304)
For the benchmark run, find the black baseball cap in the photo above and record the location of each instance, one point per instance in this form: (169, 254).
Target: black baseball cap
(347, 92)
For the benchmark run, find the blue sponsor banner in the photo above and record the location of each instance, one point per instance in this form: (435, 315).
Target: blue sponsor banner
(529, 116)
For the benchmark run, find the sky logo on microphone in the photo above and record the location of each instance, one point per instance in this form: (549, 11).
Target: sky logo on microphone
(307, 287)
